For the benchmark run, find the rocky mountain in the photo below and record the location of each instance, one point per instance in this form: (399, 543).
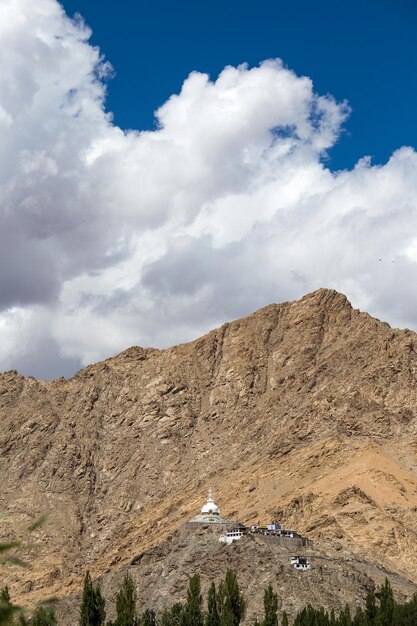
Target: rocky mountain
(305, 411)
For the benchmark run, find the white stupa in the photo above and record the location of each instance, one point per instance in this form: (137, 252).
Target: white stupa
(210, 513)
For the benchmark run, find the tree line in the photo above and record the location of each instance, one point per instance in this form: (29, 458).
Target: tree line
(225, 606)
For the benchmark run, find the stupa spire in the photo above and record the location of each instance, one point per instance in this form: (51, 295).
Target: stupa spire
(210, 513)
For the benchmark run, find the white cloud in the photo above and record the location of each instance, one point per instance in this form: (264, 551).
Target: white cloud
(110, 238)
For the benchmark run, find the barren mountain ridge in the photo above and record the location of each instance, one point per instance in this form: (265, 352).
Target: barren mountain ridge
(304, 411)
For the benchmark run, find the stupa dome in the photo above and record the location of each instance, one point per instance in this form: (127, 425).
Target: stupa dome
(210, 514)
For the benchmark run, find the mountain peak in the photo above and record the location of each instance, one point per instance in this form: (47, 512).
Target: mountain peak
(326, 296)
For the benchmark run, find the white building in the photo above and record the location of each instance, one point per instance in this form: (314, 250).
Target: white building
(234, 534)
(300, 563)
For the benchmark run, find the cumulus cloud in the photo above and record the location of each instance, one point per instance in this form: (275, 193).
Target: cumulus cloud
(111, 238)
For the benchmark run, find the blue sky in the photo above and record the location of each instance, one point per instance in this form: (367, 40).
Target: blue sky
(363, 51)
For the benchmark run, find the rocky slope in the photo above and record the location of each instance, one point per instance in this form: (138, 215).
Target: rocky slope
(304, 410)
(161, 574)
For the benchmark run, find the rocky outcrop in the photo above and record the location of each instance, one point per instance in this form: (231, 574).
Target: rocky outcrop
(162, 573)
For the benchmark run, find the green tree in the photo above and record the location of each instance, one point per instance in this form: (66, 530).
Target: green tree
(345, 618)
(231, 602)
(126, 603)
(43, 617)
(322, 617)
(172, 616)
(92, 611)
(7, 610)
(284, 620)
(359, 619)
(386, 607)
(270, 607)
(212, 615)
(166, 618)
(193, 614)
(302, 618)
(370, 609)
(148, 618)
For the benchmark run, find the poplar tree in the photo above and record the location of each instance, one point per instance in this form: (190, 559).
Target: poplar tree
(148, 618)
(177, 611)
(284, 620)
(173, 616)
(231, 601)
(370, 608)
(386, 607)
(270, 607)
(92, 611)
(359, 619)
(126, 603)
(345, 618)
(301, 617)
(193, 614)
(212, 616)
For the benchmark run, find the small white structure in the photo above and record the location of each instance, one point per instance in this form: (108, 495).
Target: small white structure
(234, 534)
(300, 563)
(274, 526)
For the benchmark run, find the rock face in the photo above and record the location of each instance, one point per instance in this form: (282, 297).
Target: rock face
(161, 574)
(305, 411)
